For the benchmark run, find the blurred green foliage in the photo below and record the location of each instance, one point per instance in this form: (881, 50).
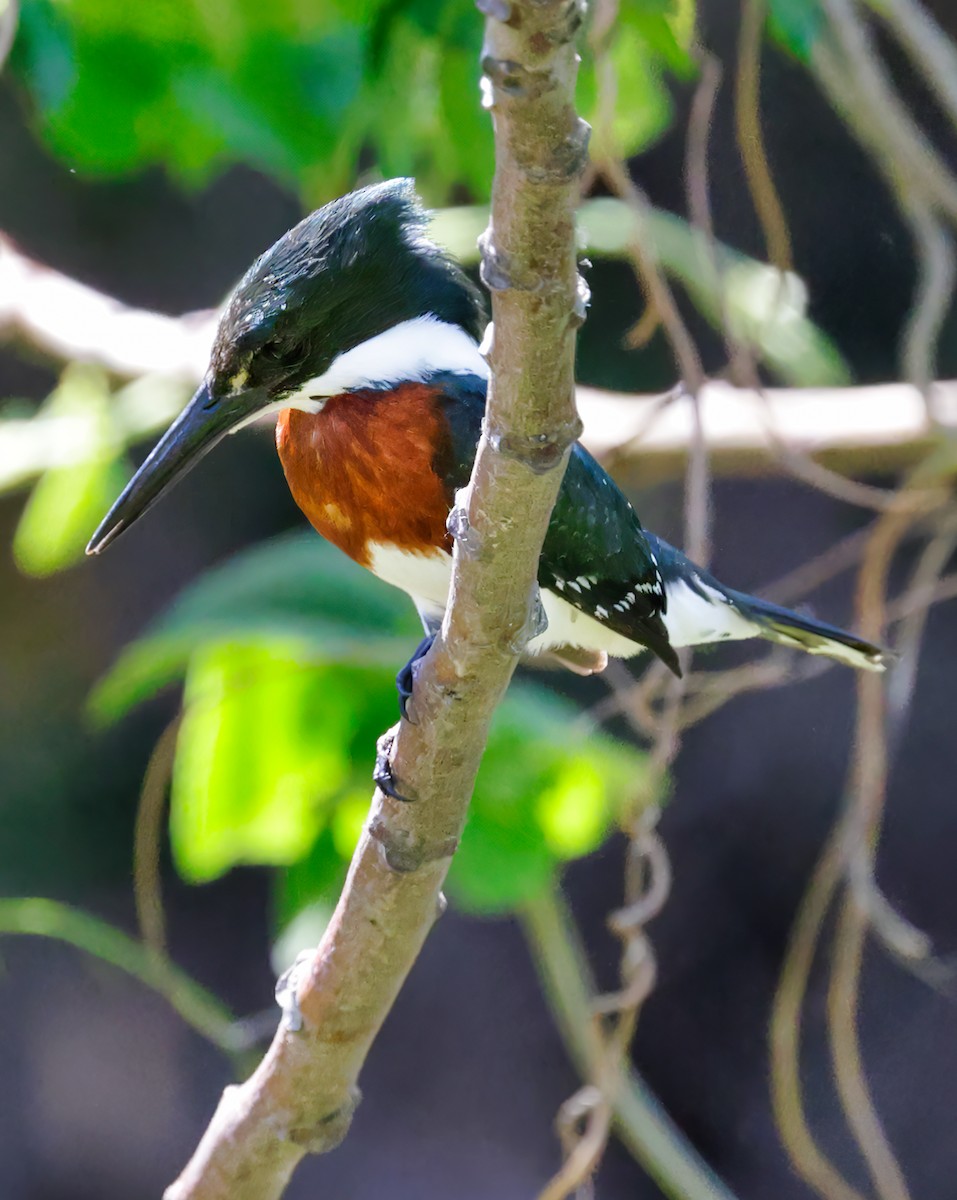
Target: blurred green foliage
(56, 522)
(288, 654)
(796, 25)
(306, 93)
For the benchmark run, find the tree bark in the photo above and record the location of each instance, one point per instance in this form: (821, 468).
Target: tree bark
(302, 1096)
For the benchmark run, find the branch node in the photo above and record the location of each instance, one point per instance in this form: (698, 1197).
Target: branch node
(499, 10)
(500, 272)
(287, 991)
(535, 624)
(540, 452)
(402, 852)
(582, 301)
(330, 1130)
(460, 527)
(565, 161)
(511, 78)
(572, 20)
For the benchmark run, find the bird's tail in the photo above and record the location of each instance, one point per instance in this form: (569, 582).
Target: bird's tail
(815, 637)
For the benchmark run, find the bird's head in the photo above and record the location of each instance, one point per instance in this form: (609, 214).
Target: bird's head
(354, 296)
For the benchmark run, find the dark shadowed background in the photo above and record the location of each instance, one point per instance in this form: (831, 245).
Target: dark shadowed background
(104, 1090)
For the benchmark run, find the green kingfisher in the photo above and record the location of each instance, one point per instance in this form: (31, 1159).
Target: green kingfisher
(363, 336)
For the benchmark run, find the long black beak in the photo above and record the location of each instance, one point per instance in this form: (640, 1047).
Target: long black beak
(198, 428)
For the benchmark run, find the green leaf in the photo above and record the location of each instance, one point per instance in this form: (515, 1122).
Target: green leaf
(547, 791)
(651, 39)
(296, 587)
(315, 879)
(307, 93)
(497, 867)
(643, 108)
(796, 25)
(667, 28)
(467, 147)
(573, 813)
(67, 502)
(264, 749)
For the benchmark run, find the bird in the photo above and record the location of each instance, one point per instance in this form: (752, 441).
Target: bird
(364, 337)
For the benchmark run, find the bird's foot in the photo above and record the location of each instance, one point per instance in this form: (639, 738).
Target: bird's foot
(405, 680)
(382, 774)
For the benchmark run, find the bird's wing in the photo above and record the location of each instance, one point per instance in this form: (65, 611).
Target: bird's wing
(596, 555)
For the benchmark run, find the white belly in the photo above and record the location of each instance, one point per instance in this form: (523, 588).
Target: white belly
(426, 578)
(696, 620)
(691, 619)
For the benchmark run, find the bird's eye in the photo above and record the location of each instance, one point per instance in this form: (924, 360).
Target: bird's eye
(284, 354)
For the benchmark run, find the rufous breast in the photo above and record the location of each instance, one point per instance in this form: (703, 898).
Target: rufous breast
(362, 469)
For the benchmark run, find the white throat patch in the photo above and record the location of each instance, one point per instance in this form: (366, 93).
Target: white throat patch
(408, 352)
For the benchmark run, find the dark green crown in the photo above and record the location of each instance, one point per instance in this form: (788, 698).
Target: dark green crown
(347, 272)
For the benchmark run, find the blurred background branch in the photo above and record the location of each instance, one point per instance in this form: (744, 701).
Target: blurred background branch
(851, 429)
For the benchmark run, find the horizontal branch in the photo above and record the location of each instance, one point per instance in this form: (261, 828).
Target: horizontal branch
(644, 439)
(854, 430)
(72, 322)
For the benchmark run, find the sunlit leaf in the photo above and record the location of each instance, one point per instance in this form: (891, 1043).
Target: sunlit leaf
(295, 587)
(305, 93)
(573, 813)
(547, 791)
(67, 502)
(643, 107)
(651, 39)
(264, 750)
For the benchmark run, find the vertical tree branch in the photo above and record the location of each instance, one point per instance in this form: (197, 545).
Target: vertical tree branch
(302, 1096)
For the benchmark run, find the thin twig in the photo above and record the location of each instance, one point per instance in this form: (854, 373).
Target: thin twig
(148, 838)
(835, 560)
(639, 1120)
(747, 112)
(656, 286)
(852, 75)
(924, 583)
(803, 467)
(787, 1093)
(200, 1009)
(933, 297)
(698, 481)
(930, 49)
(867, 793)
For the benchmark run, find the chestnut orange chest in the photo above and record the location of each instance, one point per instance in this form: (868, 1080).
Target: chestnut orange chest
(365, 469)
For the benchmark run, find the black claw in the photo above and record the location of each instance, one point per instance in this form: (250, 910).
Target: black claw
(405, 680)
(382, 774)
